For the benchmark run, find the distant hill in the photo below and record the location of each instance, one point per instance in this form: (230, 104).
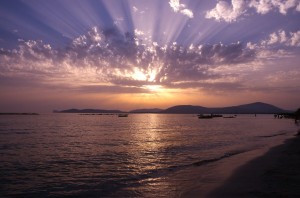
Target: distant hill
(257, 107)
(19, 114)
(155, 110)
(186, 109)
(88, 111)
(253, 108)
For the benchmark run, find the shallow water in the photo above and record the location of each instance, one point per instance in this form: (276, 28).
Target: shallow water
(52, 155)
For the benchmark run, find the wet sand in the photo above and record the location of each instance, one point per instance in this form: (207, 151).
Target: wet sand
(263, 172)
(275, 174)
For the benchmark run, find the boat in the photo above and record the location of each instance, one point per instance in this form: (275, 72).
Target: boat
(229, 116)
(203, 116)
(217, 115)
(123, 115)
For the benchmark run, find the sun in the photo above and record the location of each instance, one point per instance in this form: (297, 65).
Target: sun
(153, 88)
(148, 79)
(139, 75)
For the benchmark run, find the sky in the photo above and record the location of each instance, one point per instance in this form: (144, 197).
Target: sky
(131, 54)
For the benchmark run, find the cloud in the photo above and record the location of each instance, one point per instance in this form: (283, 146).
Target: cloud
(135, 9)
(138, 32)
(265, 6)
(262, 7)
(107, 58)
(227, 12)
(187, 12)
(291, 39)
(298, 7)
(181, 8)
(175, 4)
(230, 12)
(115, 89)
(295, 39)
(92, 37)
(107, 61)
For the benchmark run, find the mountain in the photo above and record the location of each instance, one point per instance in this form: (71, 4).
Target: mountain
(88, 111)
(155, 110)
(253, 108)
(257, 107)
(186, 109)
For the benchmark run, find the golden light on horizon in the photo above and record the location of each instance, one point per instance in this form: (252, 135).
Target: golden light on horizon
(154, 88)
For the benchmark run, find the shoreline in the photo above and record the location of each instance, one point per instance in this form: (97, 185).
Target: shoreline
(255, 173)
(274, 174)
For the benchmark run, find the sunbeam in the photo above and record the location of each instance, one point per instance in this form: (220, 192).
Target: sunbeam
(133, 47)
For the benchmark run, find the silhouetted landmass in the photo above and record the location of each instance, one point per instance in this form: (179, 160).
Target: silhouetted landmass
(253, 108)
(187, 109)
(19, 114)
(88, 111)
(155, 110)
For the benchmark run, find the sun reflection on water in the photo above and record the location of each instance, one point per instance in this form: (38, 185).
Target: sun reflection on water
(148, 140)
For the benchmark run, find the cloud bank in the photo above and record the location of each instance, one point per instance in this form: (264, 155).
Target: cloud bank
(108, 61)
(107, 58)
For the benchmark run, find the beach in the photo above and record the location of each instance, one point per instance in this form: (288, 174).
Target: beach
(264, 172)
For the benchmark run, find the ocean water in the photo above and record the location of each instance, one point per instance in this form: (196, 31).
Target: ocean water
(60, 155)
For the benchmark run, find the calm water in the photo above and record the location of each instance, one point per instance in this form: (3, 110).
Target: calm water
(52, 155)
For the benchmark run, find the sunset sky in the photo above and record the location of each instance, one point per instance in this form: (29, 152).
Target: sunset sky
(129, 54)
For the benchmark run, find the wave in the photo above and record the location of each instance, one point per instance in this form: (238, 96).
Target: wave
(226, 155)
(273, 135)
(125, 186)
(155, 173)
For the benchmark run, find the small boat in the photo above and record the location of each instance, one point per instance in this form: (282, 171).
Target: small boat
(122, 115)
(229, 116)
(203, 116)
(217, 115)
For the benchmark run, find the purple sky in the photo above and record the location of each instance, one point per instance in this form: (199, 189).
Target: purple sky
(128, 54)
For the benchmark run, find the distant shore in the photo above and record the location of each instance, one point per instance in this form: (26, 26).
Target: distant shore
(19, 114)
(252, 108)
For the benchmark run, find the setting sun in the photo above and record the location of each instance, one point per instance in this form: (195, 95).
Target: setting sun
(139, 75)
(154, 88)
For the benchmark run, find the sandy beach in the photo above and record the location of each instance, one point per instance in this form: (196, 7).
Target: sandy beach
(271, 171)
(275, 174)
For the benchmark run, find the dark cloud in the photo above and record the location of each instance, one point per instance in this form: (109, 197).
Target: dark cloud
(123, 60)
(110, 89)
(195, 64)
(209, 86)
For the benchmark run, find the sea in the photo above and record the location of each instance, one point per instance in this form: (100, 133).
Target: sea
(74, 155)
